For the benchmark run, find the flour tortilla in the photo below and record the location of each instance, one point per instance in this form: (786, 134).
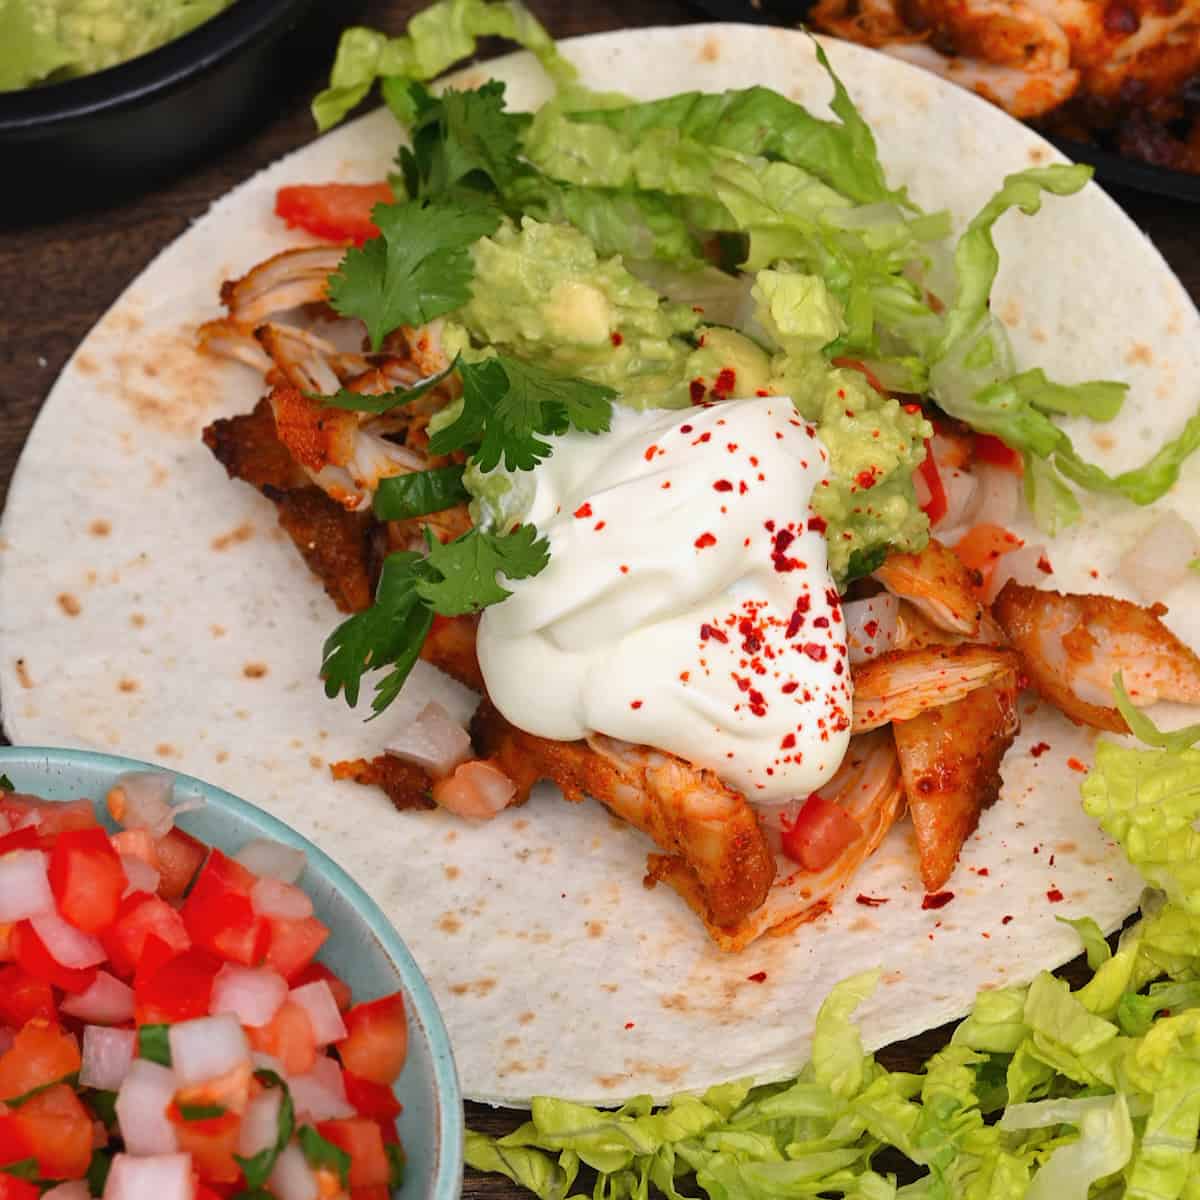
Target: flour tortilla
(151, 607)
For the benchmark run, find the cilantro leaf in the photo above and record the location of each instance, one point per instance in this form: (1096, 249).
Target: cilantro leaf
(355, 402)
(201, 1112)
(390, 632)
(397, 1161)
(469, 565)
(462, 139)
(508, 403)
(6, 784)
(400, 497)
(258, 1167)
(154, 1045)
(323, 1153)
(97, 1172)
(104, 1105)
(24, 1168)
(418, 268)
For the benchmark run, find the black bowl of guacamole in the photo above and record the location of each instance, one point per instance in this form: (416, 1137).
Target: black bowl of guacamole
(78, 132)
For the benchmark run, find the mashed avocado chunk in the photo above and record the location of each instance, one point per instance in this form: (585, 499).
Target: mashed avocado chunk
(44, 41)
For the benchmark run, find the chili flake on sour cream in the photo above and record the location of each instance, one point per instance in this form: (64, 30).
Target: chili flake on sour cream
(708, 601)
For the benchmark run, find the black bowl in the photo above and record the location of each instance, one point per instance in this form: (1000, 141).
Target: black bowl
(71, 145)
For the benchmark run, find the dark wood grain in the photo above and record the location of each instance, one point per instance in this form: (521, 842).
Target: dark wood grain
(57, 279)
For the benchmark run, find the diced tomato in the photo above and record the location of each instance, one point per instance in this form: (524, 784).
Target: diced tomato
(180, 856)
(207, 1191)
(87, 878)
(25, 838)
(178, 989)
(6, 950)
(378, 1191)
(339, 212)
(31, 955)
(212, 1143)
(230, 1091)
(289, 1037)
(376, 1043)
(219, 915)
(374, 1100)
(54, 817)
(982, 546)
(140, 916)
(935, 507)
(294, 942)
(59, 1130)
(820, 832)
(41, 1053)
(360, 1138)
(14, 1145)
(856, 364)
(990, 449)
(22, 998)
(318, 972)
(12, 1188)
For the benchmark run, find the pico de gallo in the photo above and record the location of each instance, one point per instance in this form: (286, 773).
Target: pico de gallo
(166, 1029)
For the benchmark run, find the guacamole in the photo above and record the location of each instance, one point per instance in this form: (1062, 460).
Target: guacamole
(45, 41)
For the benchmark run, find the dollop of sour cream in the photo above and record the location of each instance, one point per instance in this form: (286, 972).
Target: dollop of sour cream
(687, 604)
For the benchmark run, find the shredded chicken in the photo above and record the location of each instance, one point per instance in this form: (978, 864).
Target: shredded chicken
(406, 785)
(935, 582)
(285, 281)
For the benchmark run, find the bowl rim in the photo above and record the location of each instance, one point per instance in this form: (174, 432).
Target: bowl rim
(238, 27)
(447, 1179)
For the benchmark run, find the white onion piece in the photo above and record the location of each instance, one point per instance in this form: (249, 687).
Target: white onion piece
(107, 1056)
(477, 790)
(950, 452)
(1026, 565)
(73, 1189)
(68, 946)
(141, 875)
(962, 499)
(153, 1177)
(30, 819)
(207, 1047)
(872, 626)
(260, 1123)
(320, 1095)
(142, 1109)
(142, 800)
(267, 1062)
(291, 1178)
(24, 885)
(1158, 560)
(921, 488)
(107, 1002)
(272, 898)
(317, 1000)
(270, 859)
(999, 495)
(252, 994)
(433, 741)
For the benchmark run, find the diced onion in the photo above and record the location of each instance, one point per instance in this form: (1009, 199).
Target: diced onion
(142, 800)
(291, 1178)
(999, 495)
(317, 1000)
(207, 1047)
(260, 1122)
(141, 875)
(320, 1095)
(142, 1109)
(433, 741)
(270, 859)
(68, 946)
(476, 790)
(252, 994)
(107, 1056)
(24, 885)
(1028, 566)
(872, 626)
(152, 1177)
(272, 898)
(73, 1189)
(962, 499)
(1158, 560)
(107, 1002)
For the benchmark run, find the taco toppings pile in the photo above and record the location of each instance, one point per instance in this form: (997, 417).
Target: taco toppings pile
(692, 445)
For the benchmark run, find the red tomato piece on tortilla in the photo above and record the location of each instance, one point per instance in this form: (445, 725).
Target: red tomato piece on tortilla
(87, 878)
(376, 1043)
(338, 212)
(820, 832)
(142, 916)
(374, 1100)
(178, 989)
(219, 915)
(991, 449)
(32, 956)
(180, 857)
(41, 1054)
(22, 998)
(59, 1131)
(54, 817)
(361, 1139)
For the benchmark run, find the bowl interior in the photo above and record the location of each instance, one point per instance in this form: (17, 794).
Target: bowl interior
(363, 948)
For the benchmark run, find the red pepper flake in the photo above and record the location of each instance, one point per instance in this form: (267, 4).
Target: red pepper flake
(788, 742)
(1094, 573)
(866, 479)
(628, 1024)
(982, 871)
(726, 382)
(616, 340)
(820, 622)
(624, 569)
(1006, 920)
(685, 429)
(704, 437)
(722, 485)
(1076, 765)
(666, 484)
(731, 447)
(1043, 564)
(1040, 749)
(763, 392)
(871, 629)
(937, 900)
(870, 901)
(912, 408)
(757, 977)
(1054, 895)
(651, 451)
(815, 651)
(696, 390)
(818, 524)
(709, 631)
(635, 704)
(584, 510)
(789, 687)
(684, 676)
(704, 541)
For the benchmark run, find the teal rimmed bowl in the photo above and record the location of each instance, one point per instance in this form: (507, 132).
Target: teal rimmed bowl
(363, 948)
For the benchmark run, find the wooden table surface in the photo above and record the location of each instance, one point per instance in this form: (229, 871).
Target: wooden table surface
(57, 279)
